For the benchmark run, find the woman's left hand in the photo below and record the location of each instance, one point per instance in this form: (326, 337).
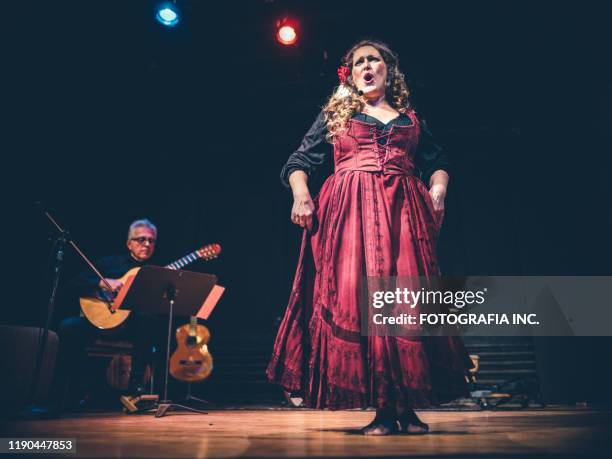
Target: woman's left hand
(438, 193)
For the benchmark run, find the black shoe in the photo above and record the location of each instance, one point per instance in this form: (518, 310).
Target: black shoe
(379, 427)
(411, 424)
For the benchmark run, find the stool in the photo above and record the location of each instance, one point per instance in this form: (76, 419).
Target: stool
(120, 364)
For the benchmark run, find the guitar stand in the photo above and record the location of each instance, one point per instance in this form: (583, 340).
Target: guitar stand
(191, 398)
(165, 405)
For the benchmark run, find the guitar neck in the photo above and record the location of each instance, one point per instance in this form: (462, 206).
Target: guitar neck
(182, 262)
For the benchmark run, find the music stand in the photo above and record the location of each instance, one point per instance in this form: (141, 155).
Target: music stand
(163, 290)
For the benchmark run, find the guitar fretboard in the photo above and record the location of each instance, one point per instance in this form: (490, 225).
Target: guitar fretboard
(182, 262)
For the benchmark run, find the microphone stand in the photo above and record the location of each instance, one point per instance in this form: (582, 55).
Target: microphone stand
(75, 247)
(59, 246)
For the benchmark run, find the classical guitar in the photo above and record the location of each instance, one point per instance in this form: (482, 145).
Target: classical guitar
(191, 360)
(100, 311)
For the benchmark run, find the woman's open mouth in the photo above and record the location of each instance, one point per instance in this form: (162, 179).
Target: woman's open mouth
(368, 78)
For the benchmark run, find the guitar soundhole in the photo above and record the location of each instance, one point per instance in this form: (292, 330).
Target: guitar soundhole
(190, 362)
(192, 341)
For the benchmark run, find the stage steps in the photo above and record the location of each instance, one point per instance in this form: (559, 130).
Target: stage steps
(502, 359)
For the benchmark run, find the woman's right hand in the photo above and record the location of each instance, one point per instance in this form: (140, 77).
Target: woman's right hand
(303, 210)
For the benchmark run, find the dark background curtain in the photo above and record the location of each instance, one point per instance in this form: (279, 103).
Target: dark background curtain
(113, 118)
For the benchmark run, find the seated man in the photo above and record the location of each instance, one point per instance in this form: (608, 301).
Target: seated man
(76, 333)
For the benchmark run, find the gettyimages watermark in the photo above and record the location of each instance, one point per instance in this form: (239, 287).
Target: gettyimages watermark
(487, 306)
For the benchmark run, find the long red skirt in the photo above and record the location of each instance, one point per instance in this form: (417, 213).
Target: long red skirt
(367, 224)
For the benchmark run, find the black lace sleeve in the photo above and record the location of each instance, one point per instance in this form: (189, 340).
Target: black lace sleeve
(311, 152)
(430, 156)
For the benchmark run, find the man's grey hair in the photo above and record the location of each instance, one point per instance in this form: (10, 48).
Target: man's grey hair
(138, 223)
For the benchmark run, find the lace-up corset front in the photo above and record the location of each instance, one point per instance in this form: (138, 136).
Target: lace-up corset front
(364, 146)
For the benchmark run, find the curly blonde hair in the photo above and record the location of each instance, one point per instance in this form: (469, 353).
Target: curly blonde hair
(343, 103)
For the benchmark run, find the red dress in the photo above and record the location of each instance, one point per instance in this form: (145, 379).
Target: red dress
(373, 218)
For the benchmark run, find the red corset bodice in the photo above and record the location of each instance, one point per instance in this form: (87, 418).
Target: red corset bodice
(358, 148)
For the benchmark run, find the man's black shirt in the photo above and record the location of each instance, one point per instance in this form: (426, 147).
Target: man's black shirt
(112, 267)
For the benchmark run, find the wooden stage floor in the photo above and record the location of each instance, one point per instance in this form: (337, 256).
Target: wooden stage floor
(306, 433)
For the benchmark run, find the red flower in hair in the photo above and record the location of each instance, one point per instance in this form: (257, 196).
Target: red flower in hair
(343, 73)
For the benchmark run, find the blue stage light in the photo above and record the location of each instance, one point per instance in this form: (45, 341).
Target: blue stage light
(167, 14)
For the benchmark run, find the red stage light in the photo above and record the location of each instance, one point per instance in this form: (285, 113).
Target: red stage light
(286, 35)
